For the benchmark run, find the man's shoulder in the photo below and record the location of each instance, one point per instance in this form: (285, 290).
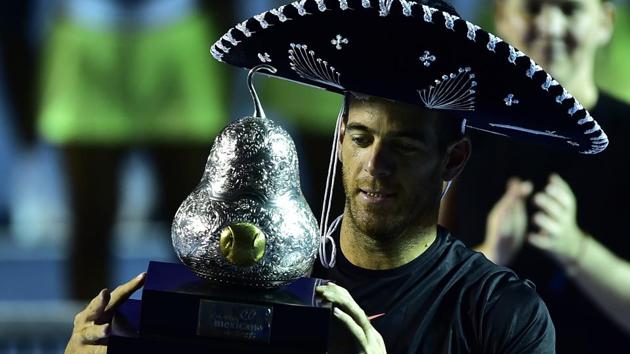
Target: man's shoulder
(505, 311)
(476, 262)
(489, 279)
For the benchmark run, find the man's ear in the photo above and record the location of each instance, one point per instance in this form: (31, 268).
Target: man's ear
(457, 154)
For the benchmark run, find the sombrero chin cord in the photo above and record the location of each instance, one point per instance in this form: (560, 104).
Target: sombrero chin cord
(326, 231)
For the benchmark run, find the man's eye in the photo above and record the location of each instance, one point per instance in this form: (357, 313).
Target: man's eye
(361, 140)
(407, 148)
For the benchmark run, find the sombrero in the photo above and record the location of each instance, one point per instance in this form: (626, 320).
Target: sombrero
(417, 52)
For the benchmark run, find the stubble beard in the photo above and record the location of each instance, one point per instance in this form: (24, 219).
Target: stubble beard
(390, 224)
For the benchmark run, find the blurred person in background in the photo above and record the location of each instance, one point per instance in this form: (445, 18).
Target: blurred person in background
(120, 74)
(19, 53)
(577, 217)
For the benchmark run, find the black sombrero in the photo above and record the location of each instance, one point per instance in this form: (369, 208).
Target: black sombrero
(418, 54)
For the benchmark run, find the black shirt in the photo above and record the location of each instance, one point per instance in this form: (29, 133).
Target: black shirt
(599, 183)
(450, 300)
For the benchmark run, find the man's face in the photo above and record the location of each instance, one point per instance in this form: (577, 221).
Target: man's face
(561, 35)
(391, 167)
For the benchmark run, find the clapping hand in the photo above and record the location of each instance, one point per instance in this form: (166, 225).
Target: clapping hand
(507, 223)
(558, 234)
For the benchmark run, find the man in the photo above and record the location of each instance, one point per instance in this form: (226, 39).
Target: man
(565, 37)
(404, 284)
(395, 158)
(424, 289)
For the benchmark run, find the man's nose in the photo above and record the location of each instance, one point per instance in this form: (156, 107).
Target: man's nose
(551, 21)
(381, 162)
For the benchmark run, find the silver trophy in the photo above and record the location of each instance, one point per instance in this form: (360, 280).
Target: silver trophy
(247, 222)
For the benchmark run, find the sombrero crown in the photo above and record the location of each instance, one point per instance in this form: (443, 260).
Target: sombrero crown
(415, 53)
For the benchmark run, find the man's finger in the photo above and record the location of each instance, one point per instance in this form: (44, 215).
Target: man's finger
(511, 195)
(353, 327)
(549, 205)
(340, 296)
(545, 223)
(94, 349)
(555, 178)
(93, 309)
(560, 190)
(518, 188)
(97, 306)
(122, 292)
(92, 334)
(540, 241)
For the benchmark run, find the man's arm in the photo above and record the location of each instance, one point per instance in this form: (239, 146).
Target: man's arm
(597, 271)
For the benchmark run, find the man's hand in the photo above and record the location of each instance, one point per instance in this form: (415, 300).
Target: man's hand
(92, 325)
(367, 339)
(507, 223)
(559, 233)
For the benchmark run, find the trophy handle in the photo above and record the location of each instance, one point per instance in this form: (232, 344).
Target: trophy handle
(258, 110)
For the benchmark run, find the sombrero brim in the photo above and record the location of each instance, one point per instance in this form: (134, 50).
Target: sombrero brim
(416, 54)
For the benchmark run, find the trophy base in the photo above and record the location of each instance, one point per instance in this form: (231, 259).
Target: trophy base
(181, 312)
(125, 338)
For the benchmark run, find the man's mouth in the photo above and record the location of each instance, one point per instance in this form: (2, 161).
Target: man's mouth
(377, 196)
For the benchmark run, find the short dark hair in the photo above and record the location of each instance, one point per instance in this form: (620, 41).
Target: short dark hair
(449, 127)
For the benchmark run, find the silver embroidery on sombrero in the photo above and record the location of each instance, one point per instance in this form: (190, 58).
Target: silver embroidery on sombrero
(366, 4)
(343, 4)
(428, 13)
(549, 81)
(472, 31)
(279, 13)
(514, 54)
(384, 7)
(533, 69)
(407, 7)
(299, 6)
(220, 45)
(601, 139)
(338, 41)
(321, 6)
(215, 53)
(598, 143)
(595, 128)
(577, 106)
(265, 58)
(243, 28)
(455, 91)
(586, 119)
(304, 63)
(572, 143)
(229, 38)
(510, 100)
(492, 42)
(261, 19)
(427, 58)
(548, 133)
(449, 20)
(565, 95)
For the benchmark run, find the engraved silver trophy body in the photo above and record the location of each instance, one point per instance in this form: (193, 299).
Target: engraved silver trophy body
(247, 222)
